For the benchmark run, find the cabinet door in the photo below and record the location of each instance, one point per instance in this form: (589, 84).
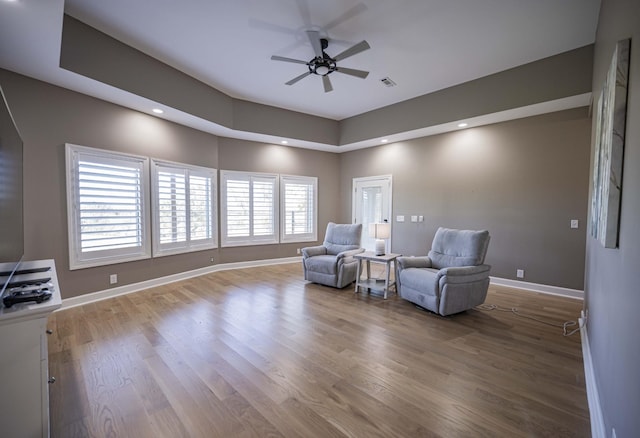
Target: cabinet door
(21, 401)
(44, 394)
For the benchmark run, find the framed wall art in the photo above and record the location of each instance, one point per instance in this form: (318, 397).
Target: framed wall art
(611, 114)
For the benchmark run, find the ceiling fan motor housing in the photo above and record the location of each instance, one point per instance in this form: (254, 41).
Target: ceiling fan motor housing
(324, 65)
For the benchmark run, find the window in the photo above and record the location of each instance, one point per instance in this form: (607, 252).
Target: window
(183, 208)
(298, 208)
(249, 208)
(107, 207)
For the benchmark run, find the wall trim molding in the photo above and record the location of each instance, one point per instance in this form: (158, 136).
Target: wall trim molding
(541, 288)
(593, 397)
(160, 281)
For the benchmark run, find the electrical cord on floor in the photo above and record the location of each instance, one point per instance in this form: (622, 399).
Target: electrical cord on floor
(565, 325)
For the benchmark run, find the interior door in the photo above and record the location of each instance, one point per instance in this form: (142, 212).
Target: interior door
(371, 204)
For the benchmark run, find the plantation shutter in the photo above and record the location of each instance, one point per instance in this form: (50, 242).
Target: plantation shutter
(299, 208)
(263, 206)
(201, 201)
(250, 213)
(172, 205)
(184, 207)
(107, 207)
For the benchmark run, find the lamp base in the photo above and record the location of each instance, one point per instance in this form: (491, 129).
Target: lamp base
(380, 247)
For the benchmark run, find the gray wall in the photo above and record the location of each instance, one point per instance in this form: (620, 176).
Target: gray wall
(555, 77)
(523, 180)
(48, 117)
(612, 286)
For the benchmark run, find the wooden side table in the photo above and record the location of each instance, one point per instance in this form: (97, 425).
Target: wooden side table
(369, 283)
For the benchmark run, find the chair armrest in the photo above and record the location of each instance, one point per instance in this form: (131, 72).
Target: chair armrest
(464, 274)
(348, 255)
(311, 251)
(413, 262)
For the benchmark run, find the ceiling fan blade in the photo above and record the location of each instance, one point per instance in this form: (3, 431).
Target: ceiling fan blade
(314, 38)
(303, 7)
(353, 50)
(353, 72)
(297, 78)
(264, 25)
(282, 58)
(327, 84)
(357, 9)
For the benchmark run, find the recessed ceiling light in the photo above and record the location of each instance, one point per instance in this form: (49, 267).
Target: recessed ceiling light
(384, 140)
(284, 142)
(157, 111)
(462, 125)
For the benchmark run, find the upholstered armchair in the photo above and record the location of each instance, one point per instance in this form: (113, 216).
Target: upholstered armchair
(332, 263)
(452, 277)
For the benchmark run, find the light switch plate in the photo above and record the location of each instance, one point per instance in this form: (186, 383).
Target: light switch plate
(399, 218)
(414, 218)
(574, 223)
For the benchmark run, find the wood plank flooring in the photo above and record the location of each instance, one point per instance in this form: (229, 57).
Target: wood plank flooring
(260, 352)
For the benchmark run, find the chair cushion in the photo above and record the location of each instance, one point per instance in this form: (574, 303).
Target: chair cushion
(325, 264)
(423, 279)
(453, 248)
(342, 237)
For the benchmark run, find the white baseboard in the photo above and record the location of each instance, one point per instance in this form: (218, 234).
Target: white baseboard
(542, 288)
(135, 287)
(593, 397)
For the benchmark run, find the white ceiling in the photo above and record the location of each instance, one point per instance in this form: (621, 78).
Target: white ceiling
(422, 45)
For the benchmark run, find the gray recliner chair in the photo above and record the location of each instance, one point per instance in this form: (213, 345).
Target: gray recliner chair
(332, 263)
(452, 277)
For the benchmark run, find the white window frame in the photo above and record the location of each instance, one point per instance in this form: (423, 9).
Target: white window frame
(312, 234)
(186, 245)
(79, 259)
(250, 239)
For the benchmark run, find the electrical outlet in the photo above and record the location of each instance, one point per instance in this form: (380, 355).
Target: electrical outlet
(414, 218)
(113, 278)
(211, 260)
(298, 251)
(520, 273)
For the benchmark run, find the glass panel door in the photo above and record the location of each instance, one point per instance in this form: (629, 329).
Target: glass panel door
(371, 204)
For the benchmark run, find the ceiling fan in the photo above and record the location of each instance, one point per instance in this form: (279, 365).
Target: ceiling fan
(323, 64)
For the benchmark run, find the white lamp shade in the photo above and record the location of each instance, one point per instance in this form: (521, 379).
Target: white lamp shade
(380, 230)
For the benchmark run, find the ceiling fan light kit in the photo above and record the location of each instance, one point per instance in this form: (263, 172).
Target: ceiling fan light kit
(322, 64)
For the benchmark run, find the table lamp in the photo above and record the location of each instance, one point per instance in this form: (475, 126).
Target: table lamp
(380, 231)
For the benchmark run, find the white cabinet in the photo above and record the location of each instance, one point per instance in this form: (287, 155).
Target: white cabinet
(24, 368)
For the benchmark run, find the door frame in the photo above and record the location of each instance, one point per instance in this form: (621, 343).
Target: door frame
(385, 179)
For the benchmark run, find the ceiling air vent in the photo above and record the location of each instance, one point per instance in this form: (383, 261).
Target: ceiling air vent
(388, 82)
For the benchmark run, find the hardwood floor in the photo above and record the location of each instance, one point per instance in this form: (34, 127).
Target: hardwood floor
(259, 352)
